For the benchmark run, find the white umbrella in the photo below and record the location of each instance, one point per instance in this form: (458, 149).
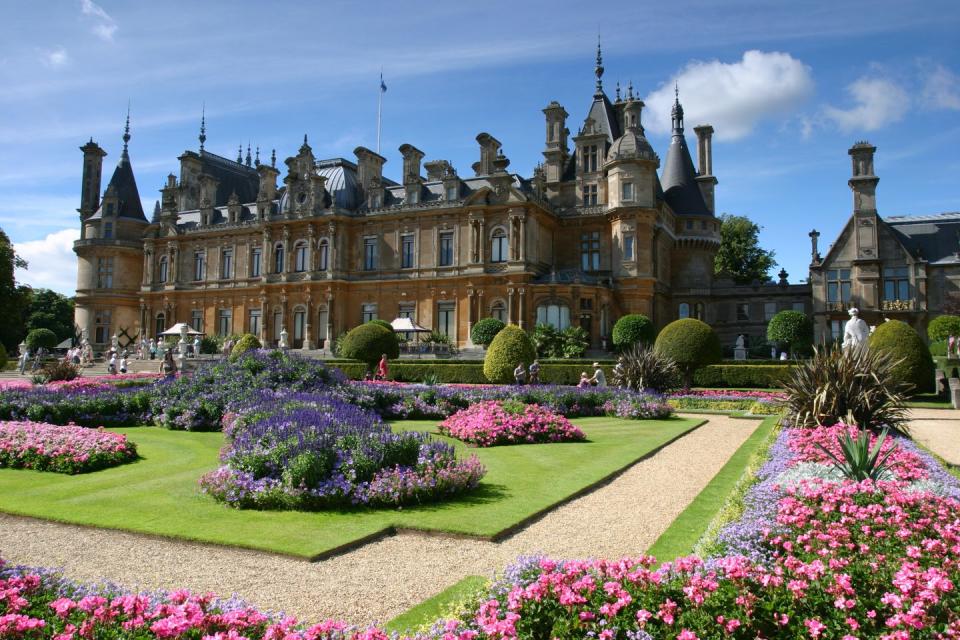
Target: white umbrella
(177, 328)
(402, 325)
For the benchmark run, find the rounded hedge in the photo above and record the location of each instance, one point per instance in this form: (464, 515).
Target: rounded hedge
(41, 338)
(903, 343)
(382, 323)
(792, 329)
(486, 330)
(942, 327)
(631, 329)
(247, 342)
(510, 347)
(369, 342)
(690, 343)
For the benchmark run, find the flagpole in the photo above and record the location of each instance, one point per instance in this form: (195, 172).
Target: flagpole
(379, 109)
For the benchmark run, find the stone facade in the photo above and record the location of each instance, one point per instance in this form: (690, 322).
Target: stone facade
(594, 233)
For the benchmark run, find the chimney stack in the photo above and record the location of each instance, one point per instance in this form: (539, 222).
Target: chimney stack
(705, 177)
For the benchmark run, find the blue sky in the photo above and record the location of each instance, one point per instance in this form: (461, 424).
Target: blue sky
(787, 86)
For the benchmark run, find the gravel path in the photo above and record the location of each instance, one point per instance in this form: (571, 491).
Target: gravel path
(381, 580)
(938, 429)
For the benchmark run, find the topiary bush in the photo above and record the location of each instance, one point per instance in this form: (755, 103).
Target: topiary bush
(791, 329)
(41, 338)
(485, 331)
(382, 323)
(631, 329)
(942, 327)
(247, 342)
(510, 347)
(369, 342)
(913, 363)
(690, 343)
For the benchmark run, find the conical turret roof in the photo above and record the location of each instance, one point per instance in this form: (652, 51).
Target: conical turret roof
(679, 179)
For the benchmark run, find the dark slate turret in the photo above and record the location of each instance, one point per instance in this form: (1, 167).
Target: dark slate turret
(601, 110)
(679, 178)
(123, 185)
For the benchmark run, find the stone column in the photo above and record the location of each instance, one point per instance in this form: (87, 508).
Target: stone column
(332, 255)
(174, 266)
(523, 307)
(523, 238)
(470, 316)
(263, 320)
(510, 306)
(330, 335)
(483, 242)
(266, 259)
(307, 339)
(287, 258)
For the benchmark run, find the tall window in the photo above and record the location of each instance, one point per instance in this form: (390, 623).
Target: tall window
(743, 312)
(447, 318)
(838, 285)
(108, 229)
(164, 266)
(446, 249)
(278, 258)
(555, 315)
(589, 195)
(224, 322)
(369, 254)
(590, 251)
(499, 311)
(683, 311)
(406, 251)
(101, 331)
(299, 327)
(226, 264)
(253, 323)
(256, 257)
(799, 306)
(368, 312)
(590, 153)
(105, 273)
(627, 192)
(300, 257)
(199, 265)
(413, 197)
(498, 251)
(161, 324)
(896, 284)
(196, 320)
(628, 247)
(769, 310)
(324, 255)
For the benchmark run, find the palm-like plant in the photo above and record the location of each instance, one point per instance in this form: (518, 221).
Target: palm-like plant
(858, 461)
(857, 385)
(640, 367)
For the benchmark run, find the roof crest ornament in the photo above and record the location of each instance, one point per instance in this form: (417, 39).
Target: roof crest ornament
(273, 158)
(257, 159)
(248, 160)
(677, 111)
(598, 70)
(240, 153)
(203, 125)
(126, 129)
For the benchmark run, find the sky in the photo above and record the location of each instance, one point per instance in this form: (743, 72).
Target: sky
(787, 86)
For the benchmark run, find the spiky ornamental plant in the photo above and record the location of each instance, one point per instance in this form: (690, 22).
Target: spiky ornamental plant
(857, 461)
(855, 385)
(640, 367)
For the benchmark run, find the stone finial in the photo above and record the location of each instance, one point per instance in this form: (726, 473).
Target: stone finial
(126, 130)
(598, 70)
(203, 125)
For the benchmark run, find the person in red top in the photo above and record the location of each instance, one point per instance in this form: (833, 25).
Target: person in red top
(382, 369)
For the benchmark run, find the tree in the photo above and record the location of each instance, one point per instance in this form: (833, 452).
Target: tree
(631, 329)
(792, 329)
(942, 327)
(41, 338)
(13, 299)
(690, 343)
(740, 256)
(485, 330)
(48, 309)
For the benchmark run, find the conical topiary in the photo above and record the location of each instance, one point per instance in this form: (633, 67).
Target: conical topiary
(510, 347)
(690, 343)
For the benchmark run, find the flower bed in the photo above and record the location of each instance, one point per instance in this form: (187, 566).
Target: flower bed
(313, 451)
(491, 423)
(760, 402)
(64, 449)
(86, 406)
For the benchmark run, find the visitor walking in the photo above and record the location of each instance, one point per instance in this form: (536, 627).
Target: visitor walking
(535, 372)
(168, 367)
(382, 369)
(599, 379)
(123, 363)
(112, 365)
(24, 359)
(520, 374)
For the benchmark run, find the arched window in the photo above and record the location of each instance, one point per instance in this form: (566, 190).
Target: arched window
(161, 324)
(498, 251)
(163, 271)
(324, 254)
(278, 259)
(684, 310)
(555, 315)
(299, 326)
(300, 263)
(498, 310)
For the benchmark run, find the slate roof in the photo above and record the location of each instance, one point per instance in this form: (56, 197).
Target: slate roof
(935, 238)
(124, 186)
(679, 178)
(603, 115)
(233, 177)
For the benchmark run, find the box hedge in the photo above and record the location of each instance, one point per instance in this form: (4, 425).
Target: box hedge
(369, 342)
(762, 376)
(511, 346)
(903, 343)
(466, 372)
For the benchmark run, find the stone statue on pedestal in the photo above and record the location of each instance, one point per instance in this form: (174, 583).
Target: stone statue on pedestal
(283, 344)
(856, 331)
(740, 350)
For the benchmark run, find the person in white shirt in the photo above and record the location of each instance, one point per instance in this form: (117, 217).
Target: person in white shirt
(599, 379)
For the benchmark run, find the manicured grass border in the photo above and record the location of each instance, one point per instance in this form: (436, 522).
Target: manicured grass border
(689, 527)
(436, 607)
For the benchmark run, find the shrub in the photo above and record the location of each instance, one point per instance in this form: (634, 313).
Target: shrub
(690, 343)
(747, 376)
(209, 344)
(791, 329)
(247, 342)
(59, 370)
(381, 323)
(487, 424)
(547, 341)
(41, 338)
(859, 386)
(942, 327)
(912, 361)
(631, 329)
(369, 342)
(640, 367)
(574, 342)
(486, 330)
(510, 347)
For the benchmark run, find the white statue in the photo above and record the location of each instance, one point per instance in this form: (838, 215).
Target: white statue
(740, 342)
(115, 342)
(283, 339)
(856, 331)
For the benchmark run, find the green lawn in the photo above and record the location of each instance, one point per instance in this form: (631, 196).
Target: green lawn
(431, 609)
(158, 494)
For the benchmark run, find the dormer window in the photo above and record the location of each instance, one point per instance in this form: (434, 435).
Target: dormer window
(627, 192)
(590, 153)
(589, 195)
(376, 201)
(413, 197)
(452, 193)
(107, 229)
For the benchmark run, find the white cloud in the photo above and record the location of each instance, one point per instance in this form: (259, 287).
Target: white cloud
(941, 89)
(877, 102)
(106, 26)
(51, 261)
(55, 57)
(733, 97)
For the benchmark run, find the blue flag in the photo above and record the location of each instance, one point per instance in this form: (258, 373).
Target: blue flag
(383, 87)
